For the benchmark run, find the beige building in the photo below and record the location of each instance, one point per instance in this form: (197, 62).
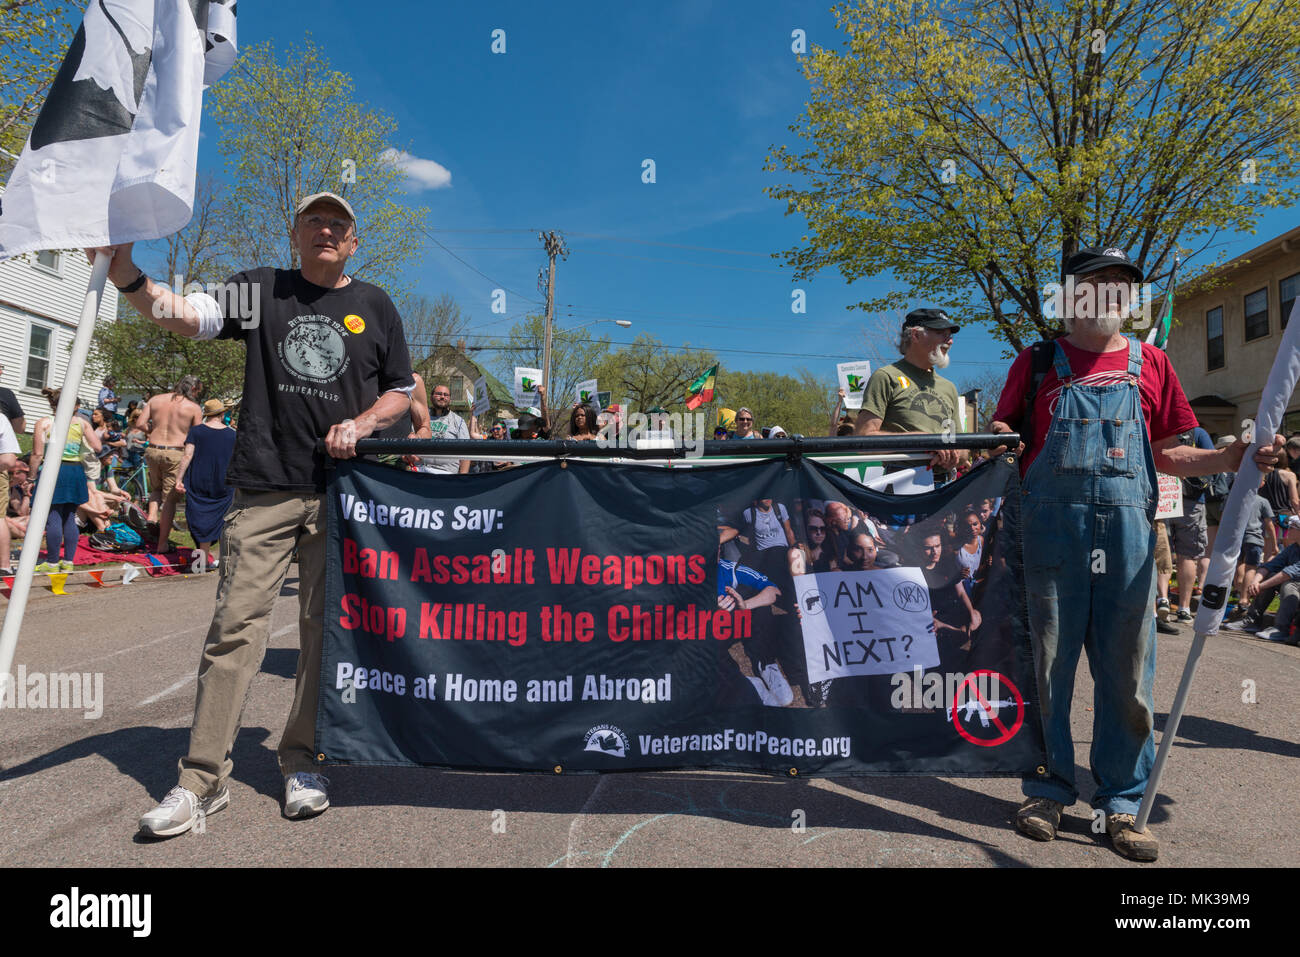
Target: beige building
(1225, 340)
(451, 366)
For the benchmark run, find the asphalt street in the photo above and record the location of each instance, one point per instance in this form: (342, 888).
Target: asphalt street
(72, 787)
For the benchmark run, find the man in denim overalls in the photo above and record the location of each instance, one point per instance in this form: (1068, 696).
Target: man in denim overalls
(1089, 496)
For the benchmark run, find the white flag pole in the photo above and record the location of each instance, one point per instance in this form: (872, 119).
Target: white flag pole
(50, 467)
(1227, 543)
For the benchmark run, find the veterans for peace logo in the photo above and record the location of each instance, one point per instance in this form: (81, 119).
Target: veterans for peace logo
(355, 324)
(313, 349)
(606, 739)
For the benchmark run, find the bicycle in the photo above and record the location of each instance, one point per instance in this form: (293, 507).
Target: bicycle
(135, 483)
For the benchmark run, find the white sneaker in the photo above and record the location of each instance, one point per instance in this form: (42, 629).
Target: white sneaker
(764, 695)
(1270, 634)
(777, 684)
(180, 810)
(304, 794)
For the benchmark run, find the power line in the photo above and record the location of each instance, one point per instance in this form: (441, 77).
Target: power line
(678, 262)
(475, 269)
(652, 242)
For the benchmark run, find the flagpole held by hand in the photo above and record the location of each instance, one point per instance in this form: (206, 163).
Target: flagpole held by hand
(50, 473)
(1273, 401)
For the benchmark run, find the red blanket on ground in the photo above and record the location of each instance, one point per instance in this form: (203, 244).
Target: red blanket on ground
(180, 557)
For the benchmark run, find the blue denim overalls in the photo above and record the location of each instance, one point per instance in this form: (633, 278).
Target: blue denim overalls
(1089, 543)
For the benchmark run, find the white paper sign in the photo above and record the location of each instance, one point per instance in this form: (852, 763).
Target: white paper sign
(481, 401)
(526, 383)
(853, 380)
(585, 392)
(1171, 496)
(866, 623)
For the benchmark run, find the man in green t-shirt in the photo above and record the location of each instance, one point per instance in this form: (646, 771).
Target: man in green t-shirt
(907, 395)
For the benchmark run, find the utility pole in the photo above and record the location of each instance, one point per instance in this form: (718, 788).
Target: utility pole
(553, 243)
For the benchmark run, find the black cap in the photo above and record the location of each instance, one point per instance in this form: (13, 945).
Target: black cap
(1091, 258)
(930, 319)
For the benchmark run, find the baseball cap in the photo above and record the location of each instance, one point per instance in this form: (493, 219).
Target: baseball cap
(930, 319)
(1092, 258)
(306, 201)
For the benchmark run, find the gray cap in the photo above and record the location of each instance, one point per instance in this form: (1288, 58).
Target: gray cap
(306, 201)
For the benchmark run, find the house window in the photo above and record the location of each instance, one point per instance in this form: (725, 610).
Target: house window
(1257, 314)
(1287, 289)
(1214, 339)
(458, 388)
(49, 259)
(39, 349)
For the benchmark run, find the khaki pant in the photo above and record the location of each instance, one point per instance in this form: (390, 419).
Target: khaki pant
(164, 466)
(1164, 559)
(261, 531)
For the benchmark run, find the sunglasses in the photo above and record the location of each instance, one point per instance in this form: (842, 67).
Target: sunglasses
(744, 418)
(819, 529)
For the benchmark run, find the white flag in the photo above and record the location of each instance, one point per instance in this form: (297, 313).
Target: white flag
(111, 157)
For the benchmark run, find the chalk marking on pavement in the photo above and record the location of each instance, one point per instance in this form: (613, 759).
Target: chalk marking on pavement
(122, 651)
(577, 821)
(188, 678)
(166, 691)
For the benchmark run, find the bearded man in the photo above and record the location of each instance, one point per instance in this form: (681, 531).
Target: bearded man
(1087, 412)
(908, 395)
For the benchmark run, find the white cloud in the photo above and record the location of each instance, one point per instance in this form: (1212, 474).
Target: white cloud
(421, 174)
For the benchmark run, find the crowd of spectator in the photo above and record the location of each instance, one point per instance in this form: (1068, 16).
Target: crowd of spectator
(103, 474)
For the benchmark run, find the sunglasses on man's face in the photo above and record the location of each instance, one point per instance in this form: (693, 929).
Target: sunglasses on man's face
(744, 419)
(816, 529)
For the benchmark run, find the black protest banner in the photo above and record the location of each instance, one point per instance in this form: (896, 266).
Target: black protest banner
(591, 617)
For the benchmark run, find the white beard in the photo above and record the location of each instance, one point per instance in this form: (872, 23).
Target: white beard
(938, 358)
(1094, 325)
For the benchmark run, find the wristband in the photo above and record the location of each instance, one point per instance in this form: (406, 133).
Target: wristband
(134, 284)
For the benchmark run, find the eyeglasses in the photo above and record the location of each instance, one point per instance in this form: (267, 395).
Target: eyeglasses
(442, 395)
(336, 225)
(817, 529)
(743, 418)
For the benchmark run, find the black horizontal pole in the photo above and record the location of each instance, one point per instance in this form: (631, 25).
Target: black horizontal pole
(713, 448)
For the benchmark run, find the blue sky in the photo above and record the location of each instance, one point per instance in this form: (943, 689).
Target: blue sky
(552, 135)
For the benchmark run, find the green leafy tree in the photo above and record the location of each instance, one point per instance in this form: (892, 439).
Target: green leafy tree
(34, 35)
(649, 375)
(970, 149)
(799, 404)
(575, 356)
(290, 127)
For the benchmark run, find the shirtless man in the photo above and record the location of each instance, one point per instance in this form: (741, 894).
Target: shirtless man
(168, 419)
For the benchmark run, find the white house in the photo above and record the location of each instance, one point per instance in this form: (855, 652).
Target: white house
(40, 302)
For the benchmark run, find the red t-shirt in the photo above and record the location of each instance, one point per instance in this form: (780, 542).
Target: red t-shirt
(1164, 406)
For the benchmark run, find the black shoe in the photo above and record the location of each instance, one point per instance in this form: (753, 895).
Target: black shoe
(1165, 628)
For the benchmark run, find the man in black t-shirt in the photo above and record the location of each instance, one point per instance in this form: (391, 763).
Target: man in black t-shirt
(325, 358)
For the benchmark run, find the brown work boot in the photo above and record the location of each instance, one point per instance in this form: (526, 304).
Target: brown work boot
(1039, 818)
(1135, 845)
